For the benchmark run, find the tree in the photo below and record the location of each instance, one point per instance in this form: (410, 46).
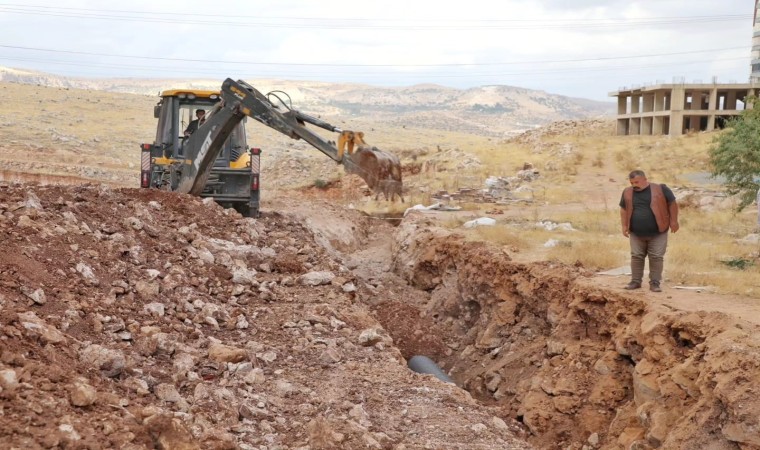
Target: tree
(735, 155)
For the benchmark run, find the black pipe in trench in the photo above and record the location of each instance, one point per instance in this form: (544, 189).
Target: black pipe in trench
(423, 364)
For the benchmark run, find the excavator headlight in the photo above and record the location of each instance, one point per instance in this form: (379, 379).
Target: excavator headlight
(182, 96)
(191, 96)
(213, 96)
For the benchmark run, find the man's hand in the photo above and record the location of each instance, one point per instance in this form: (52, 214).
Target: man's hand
(674, 227)
(626, 233)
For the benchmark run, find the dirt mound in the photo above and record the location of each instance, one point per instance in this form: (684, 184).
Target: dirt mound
(583, 367)
(140, 319)
(588, 127)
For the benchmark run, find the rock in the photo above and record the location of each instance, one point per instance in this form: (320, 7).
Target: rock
(86, 272)
(369, 337)
(743, 433)
(109, 362)
(750, 239)
(268, 357)
(8, 380)
(133, 223)
(316, 278)
(170, 433)
(331, 355)
(82, 394)
(645, 388)
(224, 353)
(255, 376)
(155, 309)
(37, 296)
(482, 221)
(39, 328)
(183, 363)
(167, 392)
(147, 289)
(243, 276)
(499, 424)
(554, 348)
(241, 323)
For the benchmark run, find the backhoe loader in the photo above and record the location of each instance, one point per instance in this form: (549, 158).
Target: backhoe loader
(215, 160)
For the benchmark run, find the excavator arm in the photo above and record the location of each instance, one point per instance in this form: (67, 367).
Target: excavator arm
(238, 100)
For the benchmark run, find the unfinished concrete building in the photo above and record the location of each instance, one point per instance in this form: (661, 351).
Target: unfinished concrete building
(675, 109)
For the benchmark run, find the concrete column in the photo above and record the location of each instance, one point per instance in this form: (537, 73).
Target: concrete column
(646, 126)
(710, 122)
(659, 101)
(731, 99)
(622, 102)
(713, 102)
(696, 100)
(635, 104)
(622, 127)
(657, 125)
(648, 105)
(635, 126)
(677, 99)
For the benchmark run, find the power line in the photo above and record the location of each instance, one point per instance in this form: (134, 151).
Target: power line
(362, 23)
(561, 72)
(551, 61)
(415, 19)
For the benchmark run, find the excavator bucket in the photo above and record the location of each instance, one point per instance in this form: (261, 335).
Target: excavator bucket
(380, 170)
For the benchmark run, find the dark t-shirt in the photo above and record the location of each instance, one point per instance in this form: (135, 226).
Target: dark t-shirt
(643, 222)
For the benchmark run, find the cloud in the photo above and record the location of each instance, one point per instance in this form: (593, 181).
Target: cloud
(583, 48)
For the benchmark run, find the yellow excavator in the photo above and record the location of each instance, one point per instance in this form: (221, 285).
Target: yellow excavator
(215, 159)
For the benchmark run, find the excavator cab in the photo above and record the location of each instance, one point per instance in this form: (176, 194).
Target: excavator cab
(231, 179)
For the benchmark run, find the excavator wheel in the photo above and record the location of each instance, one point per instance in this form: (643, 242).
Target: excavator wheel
(243, 208)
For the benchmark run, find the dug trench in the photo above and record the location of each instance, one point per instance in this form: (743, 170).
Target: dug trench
(580, 367)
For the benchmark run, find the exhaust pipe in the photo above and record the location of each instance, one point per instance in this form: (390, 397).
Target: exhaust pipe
(423, 364)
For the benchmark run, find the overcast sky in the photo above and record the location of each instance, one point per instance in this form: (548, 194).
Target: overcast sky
(580, 48)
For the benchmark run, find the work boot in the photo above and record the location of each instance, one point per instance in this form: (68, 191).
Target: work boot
(633, 285)
(654, 286)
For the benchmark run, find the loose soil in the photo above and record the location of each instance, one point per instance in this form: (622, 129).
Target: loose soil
(142, 319)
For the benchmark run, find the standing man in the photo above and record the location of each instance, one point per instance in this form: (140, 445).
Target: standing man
(647, 211)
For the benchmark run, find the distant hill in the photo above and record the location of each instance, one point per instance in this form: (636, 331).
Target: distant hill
(495, 110)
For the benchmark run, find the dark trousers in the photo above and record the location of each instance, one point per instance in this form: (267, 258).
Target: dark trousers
(652, 246)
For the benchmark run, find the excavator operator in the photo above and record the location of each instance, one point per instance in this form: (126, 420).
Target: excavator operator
(200, 115)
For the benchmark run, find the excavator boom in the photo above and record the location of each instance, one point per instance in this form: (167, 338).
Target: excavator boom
(238, 100)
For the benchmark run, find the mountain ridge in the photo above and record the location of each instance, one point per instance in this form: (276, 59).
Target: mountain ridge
(493, 110)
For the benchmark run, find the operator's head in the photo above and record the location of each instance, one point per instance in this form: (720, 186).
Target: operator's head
(200, 112)
(638, 180)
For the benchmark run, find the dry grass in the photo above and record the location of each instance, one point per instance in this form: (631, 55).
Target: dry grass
(592, 252)
(583, 188)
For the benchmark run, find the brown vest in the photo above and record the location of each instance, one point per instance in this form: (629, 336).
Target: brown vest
(659, 206)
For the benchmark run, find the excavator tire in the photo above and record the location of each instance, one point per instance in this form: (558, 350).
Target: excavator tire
(244, 209)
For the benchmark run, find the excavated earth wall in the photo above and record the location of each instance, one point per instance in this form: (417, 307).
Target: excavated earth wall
(581, 367)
